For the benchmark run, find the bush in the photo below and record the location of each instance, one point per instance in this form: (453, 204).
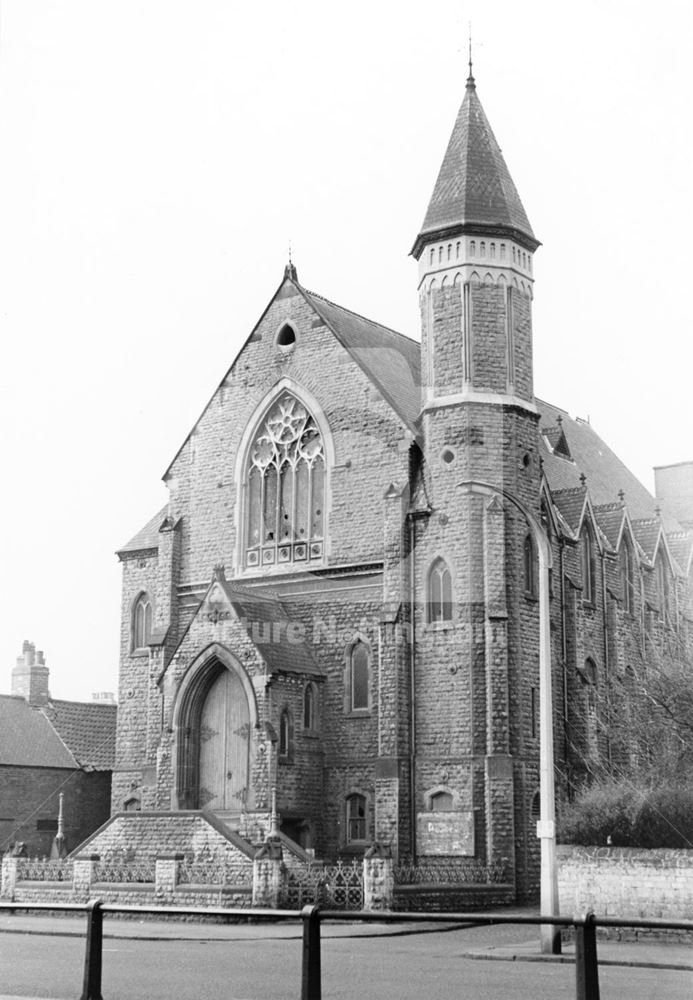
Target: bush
(626, 815)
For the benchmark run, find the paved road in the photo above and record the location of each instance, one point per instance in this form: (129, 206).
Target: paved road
(433, 966)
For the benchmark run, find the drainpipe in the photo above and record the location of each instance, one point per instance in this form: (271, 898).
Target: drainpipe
(412, 689)
(605, 629)
(564, 647)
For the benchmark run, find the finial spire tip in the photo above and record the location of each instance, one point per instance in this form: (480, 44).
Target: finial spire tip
(470, 79)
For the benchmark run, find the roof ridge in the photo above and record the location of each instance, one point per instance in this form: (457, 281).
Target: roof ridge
(352, 312)
(612, 505)
(569, 489)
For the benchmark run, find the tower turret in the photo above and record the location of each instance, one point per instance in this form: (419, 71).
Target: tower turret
(475, 272)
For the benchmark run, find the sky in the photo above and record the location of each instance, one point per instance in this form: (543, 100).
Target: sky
(159, 157)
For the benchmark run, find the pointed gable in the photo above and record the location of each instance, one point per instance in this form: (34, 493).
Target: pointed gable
(265, 621)
(474, 188)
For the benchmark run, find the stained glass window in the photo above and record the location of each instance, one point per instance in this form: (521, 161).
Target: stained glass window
(285, 518)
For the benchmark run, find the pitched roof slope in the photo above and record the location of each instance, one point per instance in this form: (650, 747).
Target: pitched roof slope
(605, 473)
(148, 536)
(87, 729)
(391, 360)
(474, 186)
(27, 739)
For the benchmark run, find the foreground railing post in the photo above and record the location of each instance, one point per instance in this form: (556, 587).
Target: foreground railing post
(586, 965)
(91, 989)
(310, 973)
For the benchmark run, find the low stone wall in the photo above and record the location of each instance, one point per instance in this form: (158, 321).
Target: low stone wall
(625, 882)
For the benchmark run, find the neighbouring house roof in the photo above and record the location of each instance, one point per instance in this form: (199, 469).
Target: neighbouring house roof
(391, 360)
(88, 729)
(148, 536)
(60, 734)
(27, 738)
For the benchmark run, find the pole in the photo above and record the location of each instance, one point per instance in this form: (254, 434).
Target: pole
(586, 965)
(92, 960)
(550, 938)
(310, 973)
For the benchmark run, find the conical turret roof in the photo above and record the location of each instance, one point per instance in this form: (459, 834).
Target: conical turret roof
(474, 191)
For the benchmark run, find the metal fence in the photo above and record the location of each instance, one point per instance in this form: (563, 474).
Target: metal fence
(448, 871)
(44, 870)
(335, 887)
(312, 917)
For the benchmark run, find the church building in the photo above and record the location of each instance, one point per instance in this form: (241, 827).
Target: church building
(333, 625)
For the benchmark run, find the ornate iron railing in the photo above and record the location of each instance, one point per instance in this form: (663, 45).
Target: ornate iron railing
(125, 871)
(338, 887)
(44, 870)
(213, 873)
(448, 872)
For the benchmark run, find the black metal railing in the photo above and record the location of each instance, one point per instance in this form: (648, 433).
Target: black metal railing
(312, 917)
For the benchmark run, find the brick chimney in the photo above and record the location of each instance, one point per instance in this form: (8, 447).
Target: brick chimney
(30, 676)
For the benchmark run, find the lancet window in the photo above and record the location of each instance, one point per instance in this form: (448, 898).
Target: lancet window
(285, 516)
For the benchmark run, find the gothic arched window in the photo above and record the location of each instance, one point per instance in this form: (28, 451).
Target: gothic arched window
(529, 567)
(310, 708)
(285, 735)
(587, 564)
(662, 585)
(439, 607)
(142, 622)
(285, 503)
(626, 571)
(358, 679)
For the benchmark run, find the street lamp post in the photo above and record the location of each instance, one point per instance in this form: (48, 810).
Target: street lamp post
(546, 827)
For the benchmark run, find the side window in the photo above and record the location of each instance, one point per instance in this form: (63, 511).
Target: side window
(310, 721)
(141, 622)
(358, 678)
(627, 582)
(285, 735)
(587, 564)
(529, 565)
(439, 606)
(356, 817)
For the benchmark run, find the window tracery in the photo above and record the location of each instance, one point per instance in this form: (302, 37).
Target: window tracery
(285, 518)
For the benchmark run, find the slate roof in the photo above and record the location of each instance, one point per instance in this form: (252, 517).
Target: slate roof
(605, 472)
(88, 729)
(391, 360)
(474, 187)
(27, 739)
(681, 548)
(647, 532)
(264, 618)
(571, 503)
(148, 536)
(609, 518)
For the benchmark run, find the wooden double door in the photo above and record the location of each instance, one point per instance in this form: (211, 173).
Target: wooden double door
(224, 745)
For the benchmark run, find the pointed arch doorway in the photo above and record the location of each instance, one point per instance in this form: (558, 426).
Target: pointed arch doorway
(215, 718)
(224, 745)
